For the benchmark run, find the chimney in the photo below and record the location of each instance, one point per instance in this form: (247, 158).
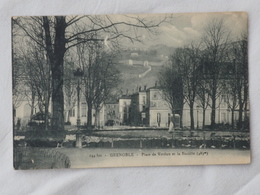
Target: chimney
(145, 87)
(155, 83)
(140, 89)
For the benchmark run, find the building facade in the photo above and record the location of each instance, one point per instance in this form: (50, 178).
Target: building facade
(124, 110)
(143, 108)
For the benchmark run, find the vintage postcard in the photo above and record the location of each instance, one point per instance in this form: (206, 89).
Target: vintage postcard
(130, 90)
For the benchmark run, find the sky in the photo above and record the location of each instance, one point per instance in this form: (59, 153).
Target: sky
(189, 27)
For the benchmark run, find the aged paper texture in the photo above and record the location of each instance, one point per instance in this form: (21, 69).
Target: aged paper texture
(130, 90)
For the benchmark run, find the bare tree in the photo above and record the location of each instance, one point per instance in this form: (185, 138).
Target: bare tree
(187, 60)
(100, 76)
(171, 85)
(30, 94)
(239, 79)
(62, 33)
(203, 98)
(216, 39)
(37, 78)
(17, 74)
(70, 93)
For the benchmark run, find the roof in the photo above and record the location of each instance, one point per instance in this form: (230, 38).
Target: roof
(112, 102)
(125, 97)
(154, 87)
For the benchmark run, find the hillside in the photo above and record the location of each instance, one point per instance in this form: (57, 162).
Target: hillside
(155, 55)
(131, 80)
(163, 49)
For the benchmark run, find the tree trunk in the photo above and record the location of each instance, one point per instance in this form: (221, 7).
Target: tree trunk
(232, 119)
(204, 118)
(68, 118)
(46, 116)
(191, 116)
(97, 118)
(89, 122)
(245, 98)
(32, 106)
(14, 115)
(240, 109)
(57, 74)
(240, 115)
(213, 112)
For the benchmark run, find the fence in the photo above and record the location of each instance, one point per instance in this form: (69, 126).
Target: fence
(240, 141)
(39, 158)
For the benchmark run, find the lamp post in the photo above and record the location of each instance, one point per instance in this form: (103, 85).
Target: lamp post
(78, 74)
(197, 117)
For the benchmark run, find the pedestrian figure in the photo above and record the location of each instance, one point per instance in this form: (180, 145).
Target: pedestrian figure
(171, 126)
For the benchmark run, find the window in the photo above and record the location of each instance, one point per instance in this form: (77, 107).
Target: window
(83, 109)
(235, 117)
(223, 101)
(158, 119)
(143, 99)
(223, 118)
(155, 96)
(72, 112)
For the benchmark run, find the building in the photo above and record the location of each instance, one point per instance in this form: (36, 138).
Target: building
(149, 109)
(138, 108)
(124, 110)
(111, 112)
(158, 111)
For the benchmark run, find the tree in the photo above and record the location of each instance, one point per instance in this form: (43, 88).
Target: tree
(203, 97)
(70, 92)
(187, 60)
(17, 74)
(100, 76)
(37, 78)
(62, 33)
(239, 82)
(216, 40)
(171, 85)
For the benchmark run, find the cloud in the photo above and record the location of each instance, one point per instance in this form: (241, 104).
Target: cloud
(191, 32)
(177, 37)
(236, 22)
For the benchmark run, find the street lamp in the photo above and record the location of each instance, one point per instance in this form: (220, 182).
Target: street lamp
(198, 117)
(78, 74)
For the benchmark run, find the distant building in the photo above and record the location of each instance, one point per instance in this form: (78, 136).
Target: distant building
(138, 108)
(158, 111)
(130, 62)
(146, 63)
(149, 109)
(134, 55)
(124, 110)
(111, 112)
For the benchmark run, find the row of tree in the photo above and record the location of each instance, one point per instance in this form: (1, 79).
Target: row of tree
(41, 46)
(208, 72)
